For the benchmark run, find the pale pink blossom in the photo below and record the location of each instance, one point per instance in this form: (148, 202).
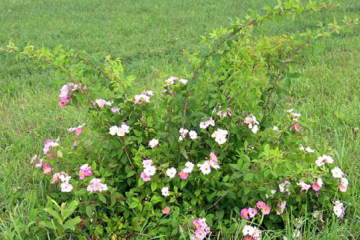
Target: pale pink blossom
(166, 210)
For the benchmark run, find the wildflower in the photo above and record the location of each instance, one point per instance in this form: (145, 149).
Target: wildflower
(328, 159)
(339, 209)
(302, 148)
(245, 213)
(150, 170)
(344, 181)
(284, 187)
(33, 159)
(122, 130)
(252, 212)
(282, 206)
(297, 127)
(64, 178)
(213, 157)
(115, 110)
(144, 97)
(49, 144)
(316, 214)
(165, 191)
(113, 130)
(260, 205)
(77, 130)
(96, 186)
(252, 123)
(40, 163)
(266, 210)
(171, 80)
(153, 142)
(102, 103)
(304, 187)
(183, 81)
(275, 128)
(220, 136)
(193, 135)
(55, 178)
(337, 173)
(64, 91)
(343, 188)
(166, 210)
(66, 187)
(204, 125)
(205, 168)
(309, 150)
(63, 102)
(85, 170)
(272, 194)
(145, 177)
(183, 175)
(147, 163)
(183, 132)
(46, 168)
(248, 230)
(189, 166)
(317, 185)
(200, 234)
(171, 172)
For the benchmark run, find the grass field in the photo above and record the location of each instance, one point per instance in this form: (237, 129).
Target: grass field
(150, 36)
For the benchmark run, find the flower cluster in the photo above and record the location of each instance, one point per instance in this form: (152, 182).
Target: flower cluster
(49, 145)
(282, 206)
(206, 124)
(307, 149)
(285, 187)
(102, 103)
(172, 80)
(325, 159)
(149, 170)
(222, 114)
(252, 123)
(183, 132)
(202, 229)
(143, 97)
(96, 186)
(64, 178)
(251, 233)
(205, 168)
(119, 131)
(220, 136)
(304, 186)
(85, 170)
(64, 93)
(77, 130)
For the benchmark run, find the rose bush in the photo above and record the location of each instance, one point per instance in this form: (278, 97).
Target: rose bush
(202, 157)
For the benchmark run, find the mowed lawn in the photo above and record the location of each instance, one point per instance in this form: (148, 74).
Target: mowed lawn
(149, 36)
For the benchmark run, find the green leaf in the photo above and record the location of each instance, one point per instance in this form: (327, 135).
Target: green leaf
(102, 198)
(220, 214)
(134, 204)
(71, 223)
(70, 209)
(53, 213)
(89, 211)
(154, 186)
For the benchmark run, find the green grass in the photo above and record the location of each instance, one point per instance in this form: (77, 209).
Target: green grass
(150, 36)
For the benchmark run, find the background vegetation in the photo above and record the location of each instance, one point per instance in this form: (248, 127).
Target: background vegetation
(150, 37)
